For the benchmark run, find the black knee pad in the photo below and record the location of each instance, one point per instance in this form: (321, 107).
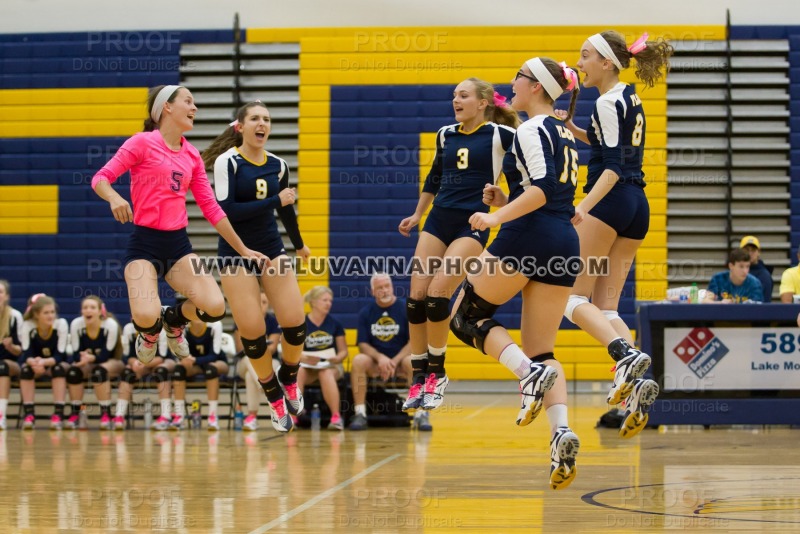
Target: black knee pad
(437, 309)
(151, 330)
(129, 376)
(4, 370)
(472, 310)
(255, 348)
(203, 316)
(179, 374)
(415, 311)
(161, 374)
(295, 335)
(26, 373)
(74, 376)
(543, 357)
(58, 371)
(211, 372)
(99, 375)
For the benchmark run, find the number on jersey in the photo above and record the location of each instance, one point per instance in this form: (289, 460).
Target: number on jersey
(463, 158)
(638, 130)
(261, 188)
(570, 171)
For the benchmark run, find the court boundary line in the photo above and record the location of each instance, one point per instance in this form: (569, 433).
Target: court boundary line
(322, 496)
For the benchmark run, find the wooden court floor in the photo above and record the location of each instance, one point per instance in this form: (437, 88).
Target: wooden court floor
(477, 471)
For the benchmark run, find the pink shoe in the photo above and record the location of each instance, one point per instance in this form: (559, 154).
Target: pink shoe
(119, 423)
(213, 422)
(105, 421)
(55, 422)
(29, 422)
(336, 422)
(72, 422)
(294, 399)
(162, 423)
(250, 423)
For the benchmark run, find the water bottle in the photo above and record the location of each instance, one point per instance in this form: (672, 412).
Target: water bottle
(196, 417)
(693, 294)
(315, 417)
(238, 418)
(83, 418)
(148, 413)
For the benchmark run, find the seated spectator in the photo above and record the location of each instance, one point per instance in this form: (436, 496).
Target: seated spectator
(44, 344)
(385, 350)
(735, 285)
(790, 282)
(324, 351)
(158, 370)
(757, 267)
(10, 348)
(96, 354)
(205, 357)
(244, 368)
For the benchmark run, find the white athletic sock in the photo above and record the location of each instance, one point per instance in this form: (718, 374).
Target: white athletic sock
(361, 409)
(3, 406)
(516, 361)
(122, 407)
(180, 407)
(433, 351)
(557, 415)
(212, 407)
(166, 408)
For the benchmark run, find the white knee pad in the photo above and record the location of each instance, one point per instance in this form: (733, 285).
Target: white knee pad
(573, 302)
(611, 314)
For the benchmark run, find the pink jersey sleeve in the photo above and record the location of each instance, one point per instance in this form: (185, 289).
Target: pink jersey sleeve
(203, 195)
(128, 155)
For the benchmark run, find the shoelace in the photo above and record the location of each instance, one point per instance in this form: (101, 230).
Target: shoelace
(291, 391)
(430, 383)
(414, 391)
(280, 409)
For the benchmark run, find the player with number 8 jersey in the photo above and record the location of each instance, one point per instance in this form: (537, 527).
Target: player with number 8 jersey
(614, 217)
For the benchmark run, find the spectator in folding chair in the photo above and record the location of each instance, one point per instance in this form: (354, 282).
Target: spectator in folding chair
(96, 354)
(244, 368)
(10, 347)
(44, 342)
(324, 351)
(158, 369)
(206, 358)
(385, 350)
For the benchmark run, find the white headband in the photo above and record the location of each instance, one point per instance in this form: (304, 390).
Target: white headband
(604, 49)
(541, 73)
(161, 99)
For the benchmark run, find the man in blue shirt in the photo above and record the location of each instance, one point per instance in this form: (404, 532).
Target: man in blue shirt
(736, 284)
(383, 345)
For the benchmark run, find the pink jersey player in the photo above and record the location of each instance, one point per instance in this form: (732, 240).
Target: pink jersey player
(163, 167)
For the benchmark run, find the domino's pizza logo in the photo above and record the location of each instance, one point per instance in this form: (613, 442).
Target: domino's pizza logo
(701, 351)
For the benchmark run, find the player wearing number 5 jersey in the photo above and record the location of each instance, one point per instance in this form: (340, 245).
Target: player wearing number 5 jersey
(613, 219)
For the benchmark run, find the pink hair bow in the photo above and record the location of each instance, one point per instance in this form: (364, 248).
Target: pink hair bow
(103, 312)
(499, 100)
(34, 298)
(639, 45)
(234, 123)
(570, 75)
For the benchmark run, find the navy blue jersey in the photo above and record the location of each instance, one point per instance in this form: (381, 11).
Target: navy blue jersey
(322, 337)
(465, 162)
(544, 155)
(272, 324)
(102, 345)
(207, 346)
(14, 332)
(617, 135)
(385, 329)
(52, 346)
(248, 193)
